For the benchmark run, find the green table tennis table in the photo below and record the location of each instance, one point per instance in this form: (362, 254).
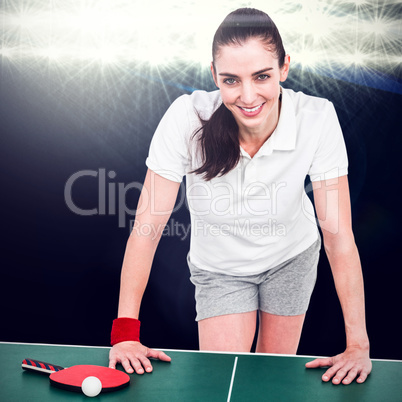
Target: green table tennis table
(197, 376)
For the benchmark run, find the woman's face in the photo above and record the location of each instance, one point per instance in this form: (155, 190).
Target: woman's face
(248, 77)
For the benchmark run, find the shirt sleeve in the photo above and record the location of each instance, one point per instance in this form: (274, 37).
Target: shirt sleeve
(330, 159)
(168, 153)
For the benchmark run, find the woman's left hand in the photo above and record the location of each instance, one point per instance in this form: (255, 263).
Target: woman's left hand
(345, 367)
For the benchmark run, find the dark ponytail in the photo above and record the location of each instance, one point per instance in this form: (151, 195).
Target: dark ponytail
(219, 142)
(219, 136)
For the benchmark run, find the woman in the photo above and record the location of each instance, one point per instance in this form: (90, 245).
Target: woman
(246, 150)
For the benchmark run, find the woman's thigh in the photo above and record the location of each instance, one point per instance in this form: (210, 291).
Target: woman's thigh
(230, 333)
(279, 334)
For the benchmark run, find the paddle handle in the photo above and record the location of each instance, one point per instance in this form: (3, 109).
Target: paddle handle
(39, 366)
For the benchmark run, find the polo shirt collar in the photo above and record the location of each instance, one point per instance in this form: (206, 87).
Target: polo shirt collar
(284, 136)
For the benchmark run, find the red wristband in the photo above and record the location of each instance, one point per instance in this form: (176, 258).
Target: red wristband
(125, 329)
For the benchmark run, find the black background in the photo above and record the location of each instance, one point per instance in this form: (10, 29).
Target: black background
(60, 271)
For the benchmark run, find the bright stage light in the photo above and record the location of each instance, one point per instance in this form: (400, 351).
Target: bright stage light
(359, 3)
(316, 33)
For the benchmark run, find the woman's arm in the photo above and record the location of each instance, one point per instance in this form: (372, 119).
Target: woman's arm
(155, 206)
(332, 203)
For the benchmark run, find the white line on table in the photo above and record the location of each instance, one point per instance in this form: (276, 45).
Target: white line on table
(187, 351)
(232, 380)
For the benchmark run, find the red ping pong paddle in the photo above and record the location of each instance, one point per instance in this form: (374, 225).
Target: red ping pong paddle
(71, 378)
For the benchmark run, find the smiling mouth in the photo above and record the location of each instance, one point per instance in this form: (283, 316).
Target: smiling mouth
(250, 110)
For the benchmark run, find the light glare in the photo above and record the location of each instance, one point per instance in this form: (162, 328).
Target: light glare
(316, 33)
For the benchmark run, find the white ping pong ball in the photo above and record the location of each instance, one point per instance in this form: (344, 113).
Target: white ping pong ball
(91, 386)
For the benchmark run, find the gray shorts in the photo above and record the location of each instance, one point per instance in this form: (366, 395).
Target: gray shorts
(283, 290)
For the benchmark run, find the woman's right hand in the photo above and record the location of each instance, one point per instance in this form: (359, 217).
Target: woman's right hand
(134, 356)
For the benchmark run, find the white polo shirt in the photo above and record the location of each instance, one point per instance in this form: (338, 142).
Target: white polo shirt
(258, 215)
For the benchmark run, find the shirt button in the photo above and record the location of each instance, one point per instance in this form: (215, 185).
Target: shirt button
(250, 172)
